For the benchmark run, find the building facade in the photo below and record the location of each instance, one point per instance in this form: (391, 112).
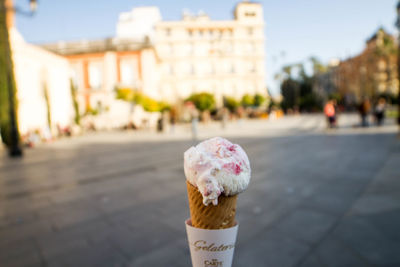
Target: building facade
(99, 67)
(165, 60)
(168, 60)
(197, 54)
(373, 72)
(370, 74)
(42, 81)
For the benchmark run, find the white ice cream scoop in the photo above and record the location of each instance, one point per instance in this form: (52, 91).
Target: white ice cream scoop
(217, 166)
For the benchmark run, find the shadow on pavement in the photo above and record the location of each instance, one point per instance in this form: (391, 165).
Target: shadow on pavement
(314, 200)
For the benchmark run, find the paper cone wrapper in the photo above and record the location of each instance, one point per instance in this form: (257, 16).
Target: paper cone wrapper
(220, 216)
(209, 248)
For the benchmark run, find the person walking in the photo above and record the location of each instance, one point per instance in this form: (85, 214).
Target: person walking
(364, 109)
(380, 111)
(330, 113)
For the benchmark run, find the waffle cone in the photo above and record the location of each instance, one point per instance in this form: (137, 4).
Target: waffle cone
(220, 216)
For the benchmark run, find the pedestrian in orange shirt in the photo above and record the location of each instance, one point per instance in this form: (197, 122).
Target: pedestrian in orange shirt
(330, 113)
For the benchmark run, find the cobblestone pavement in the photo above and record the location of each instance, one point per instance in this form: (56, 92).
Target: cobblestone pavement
(317, 197)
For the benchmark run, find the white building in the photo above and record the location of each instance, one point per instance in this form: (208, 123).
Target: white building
(168, 60)
(98, 67)
(197, 54)
(39, 72)
(138, 23)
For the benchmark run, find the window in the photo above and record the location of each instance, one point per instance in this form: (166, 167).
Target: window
(74, 77)
(226, 67)
(190, 49)
(232, 68)
(192, 69)
(126, 73)
(249, 47)
(212, 69)
(250, 31)
(167, 32)
(250, 14)
(95, 75)
(170, 69)
(253, 47)
(229, 47)
(252, 67)
(190, 33)
(235, 90)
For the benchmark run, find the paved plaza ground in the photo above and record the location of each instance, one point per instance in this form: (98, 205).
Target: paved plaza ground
(317, 198)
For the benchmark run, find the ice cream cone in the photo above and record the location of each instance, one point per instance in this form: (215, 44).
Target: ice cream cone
(221, 216)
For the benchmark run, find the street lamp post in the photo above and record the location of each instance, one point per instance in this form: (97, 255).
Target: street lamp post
(398, 64)
(11, 130)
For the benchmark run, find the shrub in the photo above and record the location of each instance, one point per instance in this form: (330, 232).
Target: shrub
(274, 104)
(259, 100)
(164, 106)
(125, 94)
(149, 104)
(231, 103)
(247, 101)
(203, 101)
(92, 111)
(310, 102)
(75, 103)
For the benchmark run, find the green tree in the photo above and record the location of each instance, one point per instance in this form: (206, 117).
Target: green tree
(287, 70)
(290, 90)
(336, 96)
(317, 66)
(306, 85)
(298, 91)
(274, 104)
(386, 50)
(231, 103)
(308, 100)
(48, 106)
(247, 101)
(203, 101)
(8, 101)
(259, 100)
(75, 103)
(125, 94)
(387, 47)
(149, 104)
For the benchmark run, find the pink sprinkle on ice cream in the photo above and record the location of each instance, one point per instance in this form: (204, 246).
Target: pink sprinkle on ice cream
(233, 167)
(237, 169)
(217, 166)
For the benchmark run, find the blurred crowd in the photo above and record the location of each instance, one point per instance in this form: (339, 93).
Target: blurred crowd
(370, 112)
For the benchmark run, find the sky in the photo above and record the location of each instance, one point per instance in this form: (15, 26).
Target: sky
(294, 29)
